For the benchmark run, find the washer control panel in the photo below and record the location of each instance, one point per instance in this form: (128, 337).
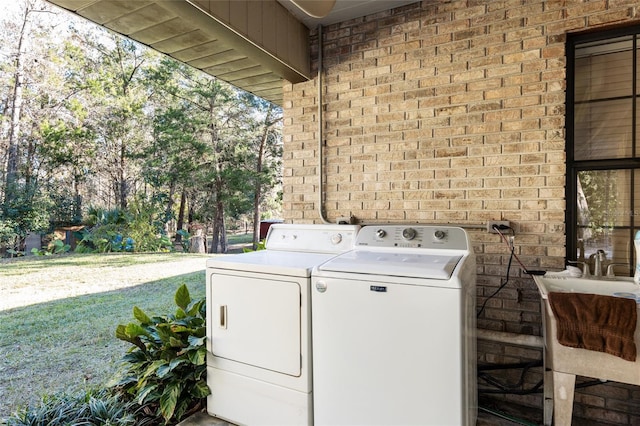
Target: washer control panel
(413, 236)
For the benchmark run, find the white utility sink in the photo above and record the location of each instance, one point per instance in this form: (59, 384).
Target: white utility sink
(563, 363)
(608, 286)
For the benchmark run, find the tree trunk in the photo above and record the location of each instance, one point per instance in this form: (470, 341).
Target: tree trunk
(169, 209)
(219, 243)
(77, 208)
(219, 240)
(180, 223)
(123, 187)
(16, 113)
(191, 213)
(257, 194)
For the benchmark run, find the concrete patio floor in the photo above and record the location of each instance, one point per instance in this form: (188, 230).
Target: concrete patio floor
(203, 419)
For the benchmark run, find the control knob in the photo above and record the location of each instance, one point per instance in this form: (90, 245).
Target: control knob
(409, 233)
(336, 238)
(380, 233)
(440, 234)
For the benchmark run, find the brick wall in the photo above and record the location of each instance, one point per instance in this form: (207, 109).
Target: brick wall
(453, 111)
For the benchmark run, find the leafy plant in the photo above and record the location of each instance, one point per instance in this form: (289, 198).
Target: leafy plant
(166, 367)
(54, 247)
(101, 239)
(100, 216)
(87, 408)
(15, 253)
(185, 239)
(139, 228)
(120, 243)
(260, 246)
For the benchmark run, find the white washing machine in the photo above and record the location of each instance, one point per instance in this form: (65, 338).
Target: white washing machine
(394, 330)
(258, 325)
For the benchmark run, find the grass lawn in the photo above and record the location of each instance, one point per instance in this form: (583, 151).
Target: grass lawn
(67, 344)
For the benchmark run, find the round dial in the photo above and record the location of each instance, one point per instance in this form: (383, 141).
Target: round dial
(440, 234)
(409, 233)
(380, 233)
(336, 238)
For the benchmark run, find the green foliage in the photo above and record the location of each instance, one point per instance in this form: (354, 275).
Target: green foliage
(138, 228)
(602, 200)
(27, 209)
(147, 226)
(100, 216)
(103, 239)
(166, 368)
(54, 247)
(9, 232)
(260, 246)
(66, 206)
(186, 239)
(109, 120)
(99, 408)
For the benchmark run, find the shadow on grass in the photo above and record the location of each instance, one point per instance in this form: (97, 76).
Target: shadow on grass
(69, 344)
(21, 265)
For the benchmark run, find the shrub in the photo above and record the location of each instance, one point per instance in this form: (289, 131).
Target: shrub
(54, 247)
(103, 239)
(166, 367)
(88, 408)
(136, 229)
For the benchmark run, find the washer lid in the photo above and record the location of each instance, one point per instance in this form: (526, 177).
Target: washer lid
(395, 264)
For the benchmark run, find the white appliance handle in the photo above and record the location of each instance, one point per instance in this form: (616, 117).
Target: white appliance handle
(223, 317)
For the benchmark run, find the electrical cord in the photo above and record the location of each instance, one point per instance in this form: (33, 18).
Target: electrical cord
(513, 255)
(506, 279)
(516, 388)
(498, 228)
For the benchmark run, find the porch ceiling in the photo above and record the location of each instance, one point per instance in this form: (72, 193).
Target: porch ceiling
(210, 37)
(253, 44)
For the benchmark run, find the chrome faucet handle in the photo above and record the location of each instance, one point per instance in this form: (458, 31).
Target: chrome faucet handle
(610, 266)
(585, 267)
(598, 258)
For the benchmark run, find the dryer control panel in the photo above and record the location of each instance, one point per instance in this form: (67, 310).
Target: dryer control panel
(413, 236)
(312, 238)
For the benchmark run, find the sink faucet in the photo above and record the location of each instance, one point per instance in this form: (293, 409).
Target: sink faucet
(585, 267)
(611, 266)
(598, 259)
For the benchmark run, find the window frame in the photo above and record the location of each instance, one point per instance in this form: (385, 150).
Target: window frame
(573, 167)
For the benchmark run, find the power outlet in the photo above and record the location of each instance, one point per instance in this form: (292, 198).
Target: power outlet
(492, 223)
(346, 220)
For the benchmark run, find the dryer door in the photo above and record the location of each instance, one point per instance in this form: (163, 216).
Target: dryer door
(256, 321)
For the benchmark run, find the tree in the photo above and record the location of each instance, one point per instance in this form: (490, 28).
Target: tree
(264, 155)
(25, 72)
(122, 120)
(109, 74)
(214, 111)
(88, 119)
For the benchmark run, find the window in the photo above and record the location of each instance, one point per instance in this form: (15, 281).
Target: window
(603, 151)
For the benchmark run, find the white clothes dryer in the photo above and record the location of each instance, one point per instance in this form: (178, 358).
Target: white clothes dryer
(258, 325)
